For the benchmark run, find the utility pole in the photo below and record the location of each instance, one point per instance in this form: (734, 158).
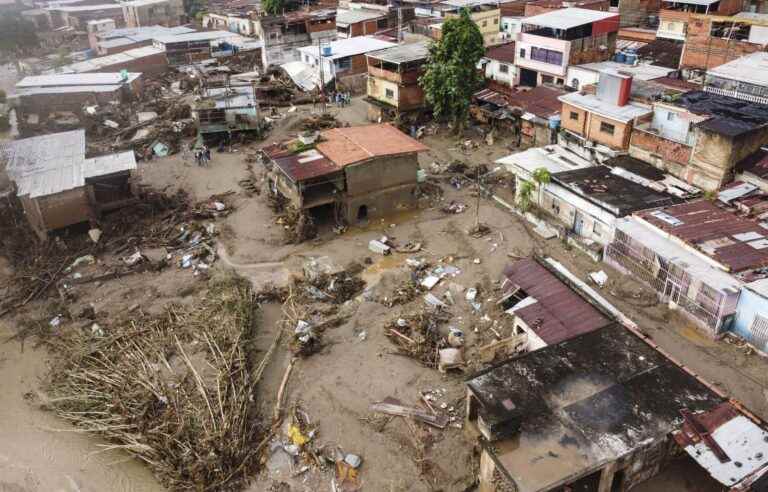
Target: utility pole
(399, 25)
(322, 75)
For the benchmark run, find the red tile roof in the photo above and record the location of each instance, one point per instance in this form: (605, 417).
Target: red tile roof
(559, 313)
(345, 146)
(711, 229)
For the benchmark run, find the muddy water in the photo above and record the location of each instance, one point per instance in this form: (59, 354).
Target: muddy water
(39, 452)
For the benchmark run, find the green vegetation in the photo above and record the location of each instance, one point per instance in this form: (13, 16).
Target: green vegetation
(16, 34)
(541, 176)
(273, 7)
(451, 75)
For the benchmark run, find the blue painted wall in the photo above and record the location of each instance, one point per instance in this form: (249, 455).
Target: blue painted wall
(750, 303)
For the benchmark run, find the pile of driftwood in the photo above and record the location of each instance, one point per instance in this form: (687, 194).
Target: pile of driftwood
(298, 226)
(176, 391)
(418, 335)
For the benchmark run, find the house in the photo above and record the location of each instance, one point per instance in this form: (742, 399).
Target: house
(145, 13)
(545, 309)
(358, 173)
(58, 186)
(499, 64)
(751, 320)
(343, 57)
(283, 34)
(146, 60)
(184, 49)
(605, 410)
(676, 16)
(46, 94)
(111, 41)
(745, 78)
(580, 76)
(484, 13)
(696, 256)
(237, 22)
(360, 22)
(553, 41)
(635, 12)
(713, 40)
(76, 17)
(393, 79)
(226, 108)
(700, 136)
(533, 115)
(552, 158)
(601, 124)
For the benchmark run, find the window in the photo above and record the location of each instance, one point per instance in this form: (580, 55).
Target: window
(597, 229)
(522, 53)
(555, 205)
(575, 83)
(607, 128)
(382, 23)
(574, 116)
(389, 93)
(503, 68)
(343, 63)
(495, 20)
(670, 116)
(485, 23)
(559, 81)
(546, 56)
(547, 79)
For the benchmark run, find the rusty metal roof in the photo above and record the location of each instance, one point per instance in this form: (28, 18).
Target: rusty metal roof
(303, 166)
(559, 313)
(345, 146)
(504, 53)
(738, 243)
(755, 163)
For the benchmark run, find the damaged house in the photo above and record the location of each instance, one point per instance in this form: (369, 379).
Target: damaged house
(605, 411)
(226, 107)
(58, 186)
(356, 173)
(393, 79)
(696, 256)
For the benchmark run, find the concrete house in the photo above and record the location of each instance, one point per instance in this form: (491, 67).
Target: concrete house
(145, 60)
(58, 186)
(484, 13)
(745, 78)
(343, 57)
(111, 41)
(551, 42)
(357, 173)
(183, 49)
(499, 64)
(696, 256)
(145, 13)
(283, 34)
(713, 40)
(226, 108)
(700, 137)
(675, 16)
(605, 411)
(602, 123)
(393, 79)
(360, 22)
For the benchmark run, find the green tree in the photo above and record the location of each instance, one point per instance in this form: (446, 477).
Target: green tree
(451, 75)
(273, 7)
(541, 176)
(16, 34)
(524, 193)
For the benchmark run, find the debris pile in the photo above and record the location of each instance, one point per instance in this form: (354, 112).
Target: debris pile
(317, 122)
(418, 335)
(297, 224)
(175, 390)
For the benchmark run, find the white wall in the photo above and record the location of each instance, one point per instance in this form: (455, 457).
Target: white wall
(672, 124)
(582, 75)
(493, 72)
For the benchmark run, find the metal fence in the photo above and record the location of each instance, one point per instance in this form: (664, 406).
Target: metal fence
(702, 302)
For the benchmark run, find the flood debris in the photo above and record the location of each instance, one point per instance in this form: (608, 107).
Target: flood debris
(418, 335)
(173, 390)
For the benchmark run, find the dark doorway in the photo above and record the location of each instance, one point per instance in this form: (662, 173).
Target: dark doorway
(618, 481)
(362, 213)
(590, 483)
(528, 78)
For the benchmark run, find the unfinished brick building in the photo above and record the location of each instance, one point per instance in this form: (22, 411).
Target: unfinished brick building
(712, 41)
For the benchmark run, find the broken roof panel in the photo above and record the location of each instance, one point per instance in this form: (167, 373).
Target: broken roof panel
(559, 313)
(345, 146)
(584, 402)
(109, 164)
(710, 229)
(303, 166)
(755, 163)
(743, 443)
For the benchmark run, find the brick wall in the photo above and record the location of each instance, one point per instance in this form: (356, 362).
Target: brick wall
(666, 150)
(703, 51)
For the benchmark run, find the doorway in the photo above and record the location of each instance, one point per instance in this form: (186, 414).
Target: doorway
(362, 213)
(528, 78)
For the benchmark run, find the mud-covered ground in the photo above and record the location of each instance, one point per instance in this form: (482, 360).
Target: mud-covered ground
(356, 365)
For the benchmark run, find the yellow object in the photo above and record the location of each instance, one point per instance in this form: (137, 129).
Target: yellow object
(296, 436)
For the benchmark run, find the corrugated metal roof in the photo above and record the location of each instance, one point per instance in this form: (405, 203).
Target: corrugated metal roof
(743, 442)
(54, 163)
(69, 79)
(303, 166)
(504, 53)
(87, 8)
(570, 18)
(196, 36)
(559, 313)
(355, 144)
(76, 89)
(346, 17)
(711, 230)
(109, 60)
(343, 48)
(402, 53)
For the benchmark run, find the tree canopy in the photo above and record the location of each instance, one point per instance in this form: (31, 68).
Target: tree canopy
(273, 7)
(451, 75)
(16, 34)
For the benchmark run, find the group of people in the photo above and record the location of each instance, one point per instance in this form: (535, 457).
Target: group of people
(203, 156)
(341, 98)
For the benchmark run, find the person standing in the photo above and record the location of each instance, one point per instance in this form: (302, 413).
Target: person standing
(207, 151)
